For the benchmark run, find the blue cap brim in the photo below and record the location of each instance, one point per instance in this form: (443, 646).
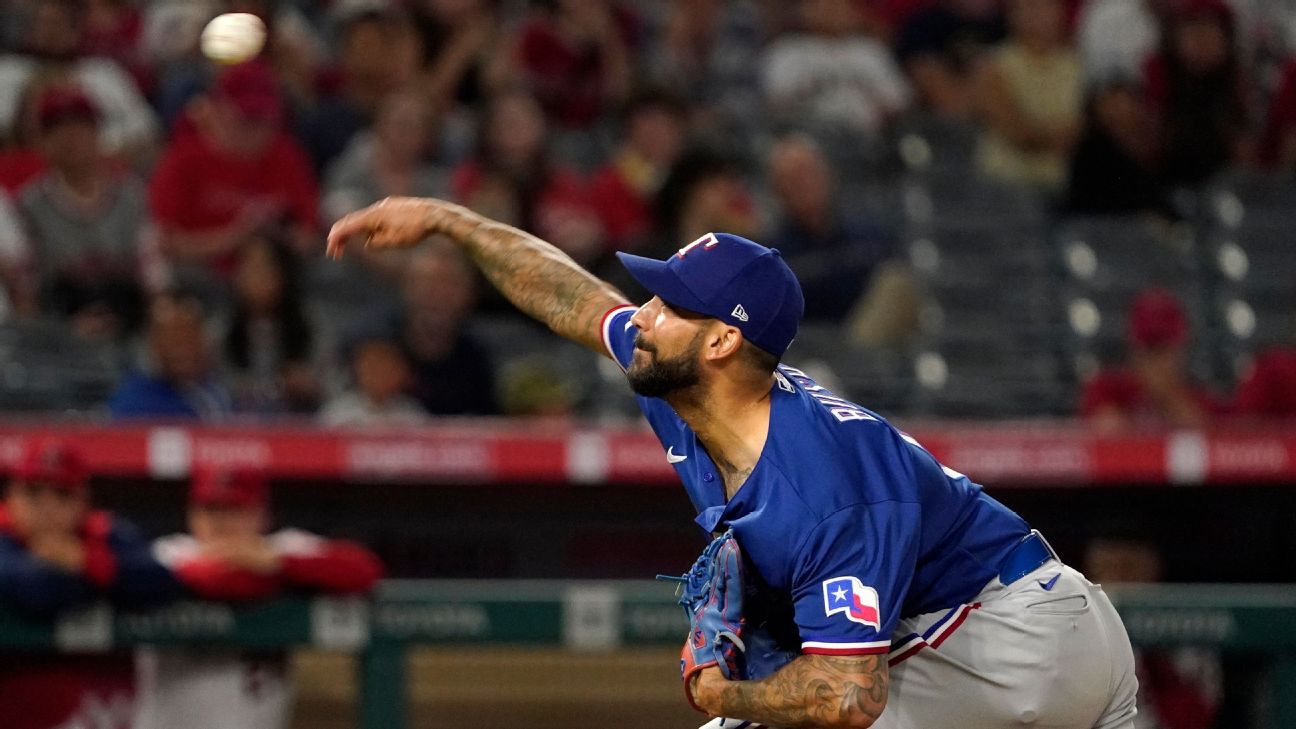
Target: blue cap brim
(660, 280)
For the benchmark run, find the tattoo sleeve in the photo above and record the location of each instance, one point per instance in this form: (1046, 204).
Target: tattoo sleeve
(811, 691)
(538, 278)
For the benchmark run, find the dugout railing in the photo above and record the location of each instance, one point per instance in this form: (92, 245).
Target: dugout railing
(380, 631)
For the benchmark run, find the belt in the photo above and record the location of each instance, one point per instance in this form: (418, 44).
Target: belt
(1031, 552)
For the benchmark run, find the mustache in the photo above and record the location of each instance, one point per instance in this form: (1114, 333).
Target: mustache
(639, 343)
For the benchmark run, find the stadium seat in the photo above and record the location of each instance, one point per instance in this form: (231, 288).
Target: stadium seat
(47, 368)
(1252, 267)
(980, 252)
(1102, 263)
(879, 379)
(939, 147)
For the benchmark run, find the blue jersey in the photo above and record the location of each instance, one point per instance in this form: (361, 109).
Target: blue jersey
(851, 520)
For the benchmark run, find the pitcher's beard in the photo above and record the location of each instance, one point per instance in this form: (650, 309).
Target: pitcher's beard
(664, 377)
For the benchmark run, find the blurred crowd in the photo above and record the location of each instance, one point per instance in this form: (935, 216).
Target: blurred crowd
(59, 554)
(176, 208)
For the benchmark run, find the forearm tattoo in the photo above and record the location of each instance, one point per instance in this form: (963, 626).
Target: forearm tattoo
(811, 691)
(541, 280)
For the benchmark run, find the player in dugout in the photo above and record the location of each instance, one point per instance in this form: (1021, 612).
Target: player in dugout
(892, 591)
(58, 554)
(229, 556)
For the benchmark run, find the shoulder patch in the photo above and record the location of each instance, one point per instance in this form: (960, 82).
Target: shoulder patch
(857, 601)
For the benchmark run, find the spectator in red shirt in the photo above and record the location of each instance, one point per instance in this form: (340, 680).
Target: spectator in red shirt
(1269, 388)
(232, 171)
(20, 157)
(1155, 389)
(229, 556)
(575, 55)
(513, 178)
(652, 137)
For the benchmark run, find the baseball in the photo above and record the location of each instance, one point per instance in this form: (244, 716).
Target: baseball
(233, 38)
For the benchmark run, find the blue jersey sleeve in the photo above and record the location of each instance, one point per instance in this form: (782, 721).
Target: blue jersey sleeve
(38, 587)
(851, 578)
(141, 581)
(619, 334)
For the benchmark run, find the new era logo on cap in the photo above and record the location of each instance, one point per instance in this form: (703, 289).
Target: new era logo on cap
(732, 279)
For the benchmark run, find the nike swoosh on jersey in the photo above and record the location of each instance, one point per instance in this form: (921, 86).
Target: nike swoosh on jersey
(1050, 583)
(672, 458)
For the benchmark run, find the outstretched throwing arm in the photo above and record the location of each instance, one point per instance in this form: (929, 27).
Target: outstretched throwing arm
(536, 276)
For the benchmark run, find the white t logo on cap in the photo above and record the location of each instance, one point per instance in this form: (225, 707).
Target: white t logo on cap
(707, 241)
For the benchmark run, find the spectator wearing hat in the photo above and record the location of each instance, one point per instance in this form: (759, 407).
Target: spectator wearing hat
(228, 555)
(83, 217)
(1155, 389)
(56, 553)
(230, 172)
(51, 45)
(177, 378)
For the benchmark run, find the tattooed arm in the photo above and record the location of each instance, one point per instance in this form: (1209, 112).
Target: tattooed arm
(538, 278)
(826, 692)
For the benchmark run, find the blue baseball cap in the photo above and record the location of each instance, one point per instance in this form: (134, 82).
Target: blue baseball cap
(729, 278)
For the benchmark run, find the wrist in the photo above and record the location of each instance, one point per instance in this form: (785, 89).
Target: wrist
(705, 692)
(455, 221)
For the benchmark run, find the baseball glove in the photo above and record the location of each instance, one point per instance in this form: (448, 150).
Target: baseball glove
(713, 594)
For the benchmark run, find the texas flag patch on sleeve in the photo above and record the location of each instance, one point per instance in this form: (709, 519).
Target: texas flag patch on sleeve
(857, 601)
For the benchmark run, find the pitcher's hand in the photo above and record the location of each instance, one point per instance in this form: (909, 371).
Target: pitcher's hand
(401, 222)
